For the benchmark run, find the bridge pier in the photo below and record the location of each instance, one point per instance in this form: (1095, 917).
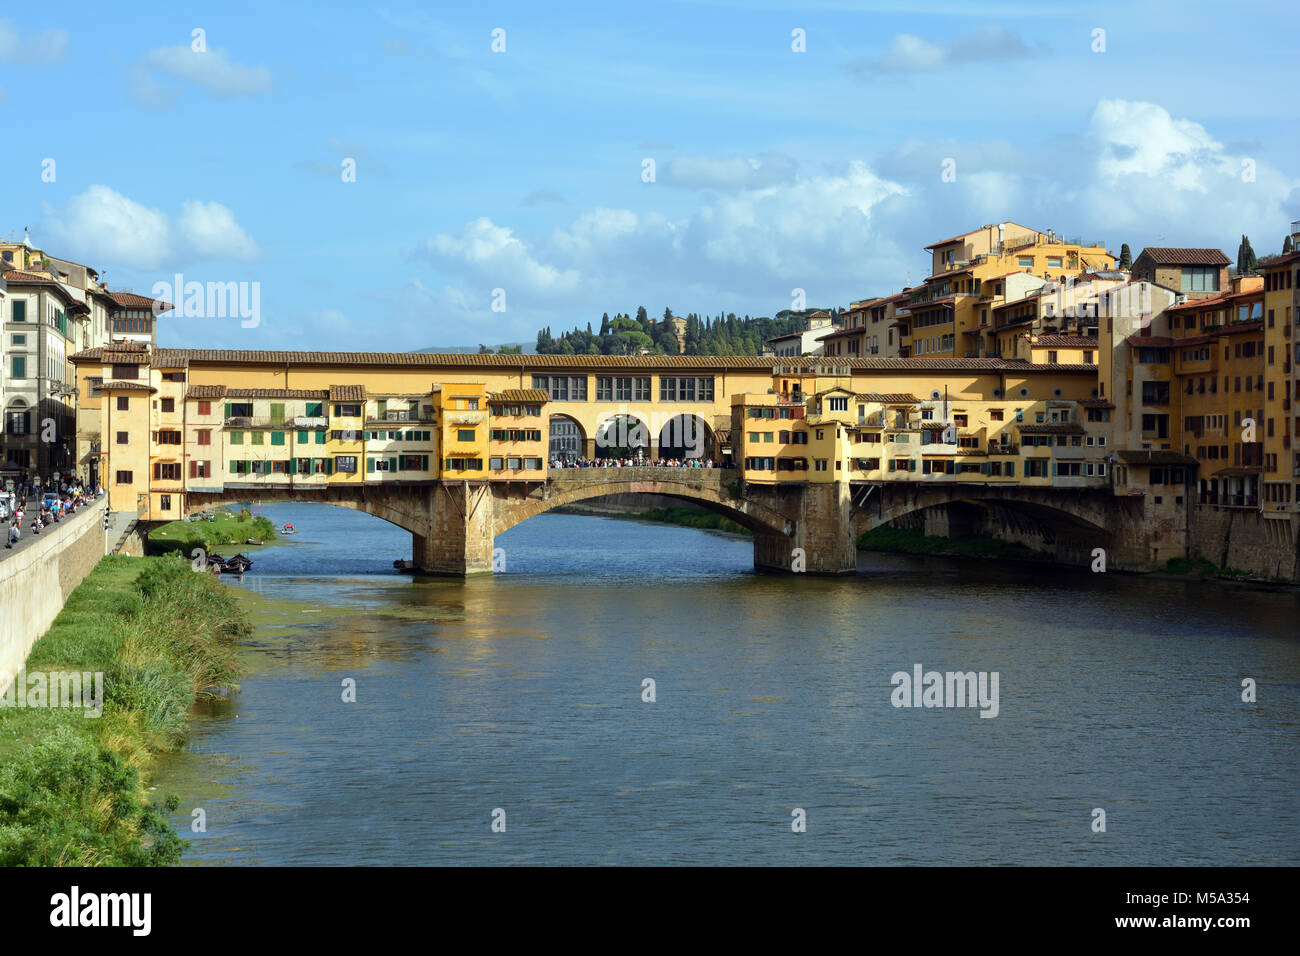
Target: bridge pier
(459, 538)
(824, 540)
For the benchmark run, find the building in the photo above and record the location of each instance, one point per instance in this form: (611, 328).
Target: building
(1195, 273)
(808, 342)
(53, 308)
(870, 329)
(949, 314)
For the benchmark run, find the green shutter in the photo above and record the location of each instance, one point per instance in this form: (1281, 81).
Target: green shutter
(277, 438)
(304, 437)
(370, 464)
(293, 466)
(228, 415)
(424, 462)
(986, 468)
(320, 438)
(314, 409)
(392, 464)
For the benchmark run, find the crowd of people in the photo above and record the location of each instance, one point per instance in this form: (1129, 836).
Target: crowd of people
(635, 463)
(56, 502)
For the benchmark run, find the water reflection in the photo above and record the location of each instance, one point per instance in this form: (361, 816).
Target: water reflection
(524, 691)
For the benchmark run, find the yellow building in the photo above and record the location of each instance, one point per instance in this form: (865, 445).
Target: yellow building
(948, 314)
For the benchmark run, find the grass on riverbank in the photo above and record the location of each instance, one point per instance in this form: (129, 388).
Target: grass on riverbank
(72, 789)
(912, 541)
(693, 518)
(228, 528)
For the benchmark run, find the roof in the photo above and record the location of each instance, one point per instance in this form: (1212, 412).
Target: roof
(1136, 457)
(129, 300)
(1171, 256)
(1066, 341)
(178, 358)
(888, 398)
(1283, 260)
(347, 393)
(220, 391)
(992, 225)
(122, 386)
(1052, 428)
(519, 395)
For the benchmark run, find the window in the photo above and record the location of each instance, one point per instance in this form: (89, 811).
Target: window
(683, 388)
(122, 438)
(622, 388)
(839, 404)
(169, 438)
(464, 434)
(345, 411)
(19, 311)
(123, 478)
(167, 471)
(346, 464)
(19, 367)
(277, 438)
(203, 436)
(563, 388)
(315, 410)
(1200, 279)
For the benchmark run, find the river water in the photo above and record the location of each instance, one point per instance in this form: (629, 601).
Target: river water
(523, 692)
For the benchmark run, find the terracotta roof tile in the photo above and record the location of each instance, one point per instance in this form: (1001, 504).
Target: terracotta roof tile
(205, 391)
(457, 360)
(125, 386)
(888, 398)
(1066, 341)
(519, 395)
(347, 393)
(1170, 256)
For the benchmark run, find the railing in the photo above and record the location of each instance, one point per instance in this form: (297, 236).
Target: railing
(633, 472)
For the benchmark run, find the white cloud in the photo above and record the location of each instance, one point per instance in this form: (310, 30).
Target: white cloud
(495, 255)
(908, 53)
(104, 228)
(1152, 168)
(209, 231)
(212, 70)
(735, 172)
(48, 46)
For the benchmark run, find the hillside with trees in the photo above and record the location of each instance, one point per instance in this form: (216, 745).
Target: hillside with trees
(704, 335)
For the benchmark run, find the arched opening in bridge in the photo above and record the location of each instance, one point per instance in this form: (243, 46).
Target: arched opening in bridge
(623, 436)
(685, 437)
(567, 439)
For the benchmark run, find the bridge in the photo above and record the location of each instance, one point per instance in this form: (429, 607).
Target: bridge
(810, 527)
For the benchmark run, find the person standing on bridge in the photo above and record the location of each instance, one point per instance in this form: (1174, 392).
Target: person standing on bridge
(14, 534)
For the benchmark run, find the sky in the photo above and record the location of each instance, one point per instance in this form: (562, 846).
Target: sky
(400, 177)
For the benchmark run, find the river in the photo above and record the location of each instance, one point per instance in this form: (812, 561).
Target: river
(523, 692)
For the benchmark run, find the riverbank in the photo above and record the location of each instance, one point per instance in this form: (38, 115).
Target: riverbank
(150, 637)
(914, 541)
(228, 528)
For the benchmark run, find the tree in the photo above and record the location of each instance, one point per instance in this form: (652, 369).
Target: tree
(1246, 261)
(1287, 245)
(1125, 257)
(604, 324)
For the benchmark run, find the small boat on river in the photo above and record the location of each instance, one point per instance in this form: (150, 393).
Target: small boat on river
(236, 564)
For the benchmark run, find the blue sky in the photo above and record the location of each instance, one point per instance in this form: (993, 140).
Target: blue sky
(522, 170)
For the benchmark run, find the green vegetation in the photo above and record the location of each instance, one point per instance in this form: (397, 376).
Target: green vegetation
(1197, 566)
(72, 789)
(704, 335)
(693, 518)
(911, 541)
(228, 528)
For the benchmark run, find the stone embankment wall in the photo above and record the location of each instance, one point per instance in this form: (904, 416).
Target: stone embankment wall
(1247, 541)
(35, 582)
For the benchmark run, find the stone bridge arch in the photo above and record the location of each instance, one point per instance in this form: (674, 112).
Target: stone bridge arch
(692, 486)
(1072, 522)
